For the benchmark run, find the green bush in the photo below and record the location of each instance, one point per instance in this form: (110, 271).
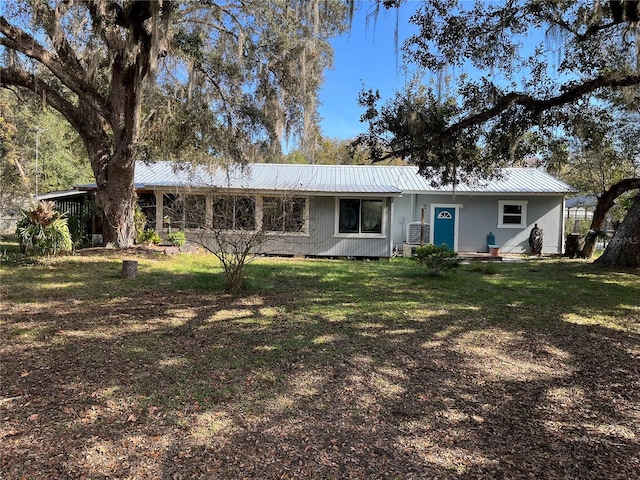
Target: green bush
(77, 235)
(177, 238)
(43, 231)
(139, 222)
(437, 259)
(148, 237)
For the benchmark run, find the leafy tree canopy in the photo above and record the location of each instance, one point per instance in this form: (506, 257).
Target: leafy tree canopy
(529, 67)
(62, 159)
(138, 79)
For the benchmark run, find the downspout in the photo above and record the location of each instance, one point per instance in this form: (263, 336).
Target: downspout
(422, 226)
(562, 223)
(390, 225)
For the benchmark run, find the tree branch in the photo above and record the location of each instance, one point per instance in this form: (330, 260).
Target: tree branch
(72, 113)
(99, 12)
(537, 106)
(16, 39)
(51, 20)
(606, 201)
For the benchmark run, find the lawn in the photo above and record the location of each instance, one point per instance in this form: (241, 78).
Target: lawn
(320, 369)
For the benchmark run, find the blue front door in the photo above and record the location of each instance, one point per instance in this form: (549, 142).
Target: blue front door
(444, 226)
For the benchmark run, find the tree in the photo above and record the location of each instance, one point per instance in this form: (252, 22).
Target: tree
(330, 151)
(13, 180)
(599, 156)
(62, 159)
(219, 76)
(234, 225)
(526, 62)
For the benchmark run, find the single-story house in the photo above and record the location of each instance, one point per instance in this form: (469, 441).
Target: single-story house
(368, 211)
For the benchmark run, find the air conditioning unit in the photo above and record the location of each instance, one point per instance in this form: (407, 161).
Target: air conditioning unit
(413, 233)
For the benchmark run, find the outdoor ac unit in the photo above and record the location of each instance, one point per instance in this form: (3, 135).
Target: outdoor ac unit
(413, 233)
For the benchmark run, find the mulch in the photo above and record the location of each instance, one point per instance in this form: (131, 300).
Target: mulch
(188, 385)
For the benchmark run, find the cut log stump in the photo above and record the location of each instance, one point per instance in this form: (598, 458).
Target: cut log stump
(129, 268)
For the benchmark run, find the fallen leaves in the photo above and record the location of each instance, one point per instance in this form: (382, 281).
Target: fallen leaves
(138, 395)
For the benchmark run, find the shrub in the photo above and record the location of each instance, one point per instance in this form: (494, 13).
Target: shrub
(148, 237)
(177, 238)
(139, 222)
(437, 259)
(77, 234)
(43, 231)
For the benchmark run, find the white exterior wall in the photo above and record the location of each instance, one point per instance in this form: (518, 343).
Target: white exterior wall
(478, 216)
(320, 237)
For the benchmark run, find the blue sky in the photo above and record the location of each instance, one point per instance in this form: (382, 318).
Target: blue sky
(366, 55)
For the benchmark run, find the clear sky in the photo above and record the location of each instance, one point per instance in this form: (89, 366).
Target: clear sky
(364, 56)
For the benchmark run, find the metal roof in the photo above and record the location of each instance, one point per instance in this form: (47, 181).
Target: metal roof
(60, 194)
(331, 179)
(581, 201)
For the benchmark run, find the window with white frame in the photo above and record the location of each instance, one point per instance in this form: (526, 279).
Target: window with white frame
(512, 213)
(360, 216)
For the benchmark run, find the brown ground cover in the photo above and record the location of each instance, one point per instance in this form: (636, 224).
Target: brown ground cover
(320, 371)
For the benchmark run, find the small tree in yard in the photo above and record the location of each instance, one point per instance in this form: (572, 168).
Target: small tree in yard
(235, 227)
(437, 259)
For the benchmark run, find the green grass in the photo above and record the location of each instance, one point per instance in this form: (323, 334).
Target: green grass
(485, 370)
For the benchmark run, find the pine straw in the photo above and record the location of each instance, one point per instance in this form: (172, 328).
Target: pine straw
(192, 385)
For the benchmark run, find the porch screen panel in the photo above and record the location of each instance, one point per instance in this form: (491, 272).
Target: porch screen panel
(283, 214)
(234, 213)
(294, 215)
(184, 211)
(245, 213)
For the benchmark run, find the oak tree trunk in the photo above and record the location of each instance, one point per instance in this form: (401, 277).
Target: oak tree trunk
(624, 248)
(117, 199)
(605, 202)
(114, 169)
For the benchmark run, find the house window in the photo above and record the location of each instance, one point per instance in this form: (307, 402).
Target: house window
(360, 216)
(234, 213)
(283, 214)
(512, 213)
(184, 211)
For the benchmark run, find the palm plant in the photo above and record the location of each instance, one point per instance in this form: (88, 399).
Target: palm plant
(44, 231)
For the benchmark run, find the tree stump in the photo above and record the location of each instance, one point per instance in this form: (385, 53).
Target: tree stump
(129, 268)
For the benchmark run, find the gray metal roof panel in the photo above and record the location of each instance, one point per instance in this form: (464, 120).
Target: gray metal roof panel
(370, 179)
(60, 194)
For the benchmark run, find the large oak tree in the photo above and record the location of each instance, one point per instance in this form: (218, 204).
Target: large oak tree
(506, 70)
(134, 78)
(599, 155)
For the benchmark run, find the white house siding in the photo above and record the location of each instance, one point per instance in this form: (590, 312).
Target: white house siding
(323, 240)
(320, 239)
(478, 216)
